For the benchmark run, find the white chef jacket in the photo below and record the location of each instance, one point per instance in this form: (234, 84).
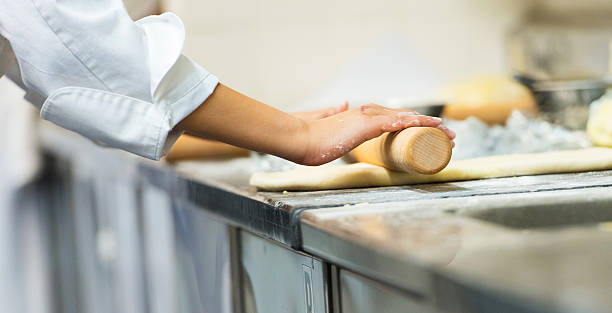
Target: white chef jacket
(93, 70)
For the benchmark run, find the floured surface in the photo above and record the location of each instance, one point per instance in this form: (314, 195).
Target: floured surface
(366, 175)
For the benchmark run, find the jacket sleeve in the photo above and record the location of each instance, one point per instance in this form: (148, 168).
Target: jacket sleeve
(121, 83)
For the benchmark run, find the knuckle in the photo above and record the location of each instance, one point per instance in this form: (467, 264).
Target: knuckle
(367, 108)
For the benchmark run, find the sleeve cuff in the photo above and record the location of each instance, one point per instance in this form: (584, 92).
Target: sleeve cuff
(122, 122)
(184, 106)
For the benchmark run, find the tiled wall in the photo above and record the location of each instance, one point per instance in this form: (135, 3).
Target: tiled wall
(299, 53)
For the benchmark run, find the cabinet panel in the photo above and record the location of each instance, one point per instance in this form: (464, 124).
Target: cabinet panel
(277, 279)
(362, 295)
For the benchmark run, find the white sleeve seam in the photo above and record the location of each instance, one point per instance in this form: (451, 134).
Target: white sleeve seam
(196, 85)
(159, 145)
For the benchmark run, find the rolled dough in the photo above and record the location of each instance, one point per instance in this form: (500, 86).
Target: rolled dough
(366, 175)
(490, 99)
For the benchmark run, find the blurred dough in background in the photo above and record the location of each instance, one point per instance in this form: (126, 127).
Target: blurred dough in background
(599, 127)
(490, 99)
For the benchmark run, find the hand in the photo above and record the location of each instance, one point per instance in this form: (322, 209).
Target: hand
(333, 136)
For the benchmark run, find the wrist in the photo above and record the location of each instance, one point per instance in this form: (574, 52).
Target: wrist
(298, 141)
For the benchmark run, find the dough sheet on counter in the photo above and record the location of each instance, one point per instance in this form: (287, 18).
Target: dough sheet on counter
(366, 175)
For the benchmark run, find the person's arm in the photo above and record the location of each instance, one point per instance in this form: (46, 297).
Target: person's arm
(190, 148)
(194, 148)
(233, 118)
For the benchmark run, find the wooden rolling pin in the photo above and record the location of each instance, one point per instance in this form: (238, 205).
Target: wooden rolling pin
(423, 150)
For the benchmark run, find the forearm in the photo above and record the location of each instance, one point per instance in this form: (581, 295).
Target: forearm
(191, 148)
(233, 118)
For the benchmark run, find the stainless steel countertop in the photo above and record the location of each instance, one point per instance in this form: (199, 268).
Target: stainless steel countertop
(432, 246)
(440, 241)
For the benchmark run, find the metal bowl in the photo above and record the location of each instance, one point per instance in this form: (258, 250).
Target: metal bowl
(565, 102)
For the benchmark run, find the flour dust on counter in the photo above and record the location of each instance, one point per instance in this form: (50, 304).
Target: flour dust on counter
(366, 175)
(519, 135)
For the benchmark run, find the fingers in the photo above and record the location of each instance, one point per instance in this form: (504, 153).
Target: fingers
(327, 112)
(375, 109)
(322, 113)
(451, 134)
(398, 119)
(343, 107)
(401, 121)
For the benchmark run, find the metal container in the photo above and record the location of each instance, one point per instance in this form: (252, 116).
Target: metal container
(567, 46)
(432, 109)
(565, 103)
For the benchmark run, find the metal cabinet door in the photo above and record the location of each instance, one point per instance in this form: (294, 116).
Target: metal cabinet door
(362, 295)
(275, 279)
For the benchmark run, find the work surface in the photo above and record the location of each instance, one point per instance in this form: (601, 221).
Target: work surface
(518, 244)
(526, 244)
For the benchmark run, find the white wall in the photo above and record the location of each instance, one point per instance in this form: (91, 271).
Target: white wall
(141, 8)
(288, 53)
